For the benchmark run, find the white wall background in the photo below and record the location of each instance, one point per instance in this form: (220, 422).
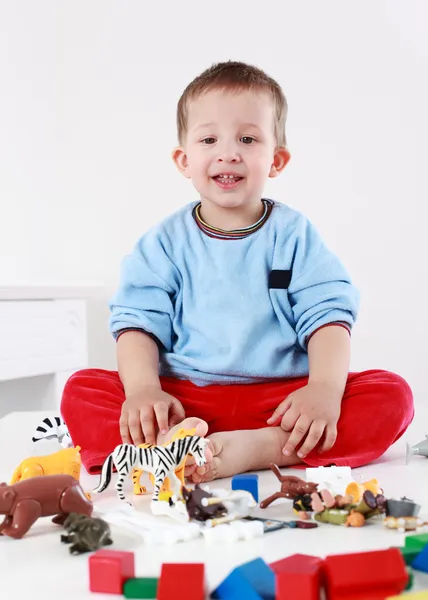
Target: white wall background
(88, 91)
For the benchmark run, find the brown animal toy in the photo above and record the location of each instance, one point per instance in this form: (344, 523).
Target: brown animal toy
(196, 510)
(24, 502)
(291, 487)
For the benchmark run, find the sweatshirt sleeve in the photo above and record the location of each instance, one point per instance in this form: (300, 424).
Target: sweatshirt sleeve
(320, 290)
(145, 298)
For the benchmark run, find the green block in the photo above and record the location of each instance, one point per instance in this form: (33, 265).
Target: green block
(416, 542)
(410, 581)
(141, 587)
(409, 555)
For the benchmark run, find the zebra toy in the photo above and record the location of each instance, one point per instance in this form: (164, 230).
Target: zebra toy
(53, 428)
(161, 461)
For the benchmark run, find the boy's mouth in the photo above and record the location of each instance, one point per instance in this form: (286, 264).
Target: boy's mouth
(227, 181)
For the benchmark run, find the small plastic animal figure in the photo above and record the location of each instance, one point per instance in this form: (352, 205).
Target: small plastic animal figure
(420, 449)
(198, 511)
(403, 524)
(86, 534)
(26, 501)
(161, 461)
(356, 490)
(53, 428)
(291, 487)
(238, 504)
(166, 492)
(402, 508)
(66, 461)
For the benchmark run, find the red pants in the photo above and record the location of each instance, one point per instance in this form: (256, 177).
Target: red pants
(377, 408)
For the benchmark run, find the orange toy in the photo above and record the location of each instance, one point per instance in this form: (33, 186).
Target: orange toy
(356, 490)
(165, 492)
(355, 519)
(64, 462)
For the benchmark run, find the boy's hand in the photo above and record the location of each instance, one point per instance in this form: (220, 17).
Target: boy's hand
(311, 411)
(142, 411)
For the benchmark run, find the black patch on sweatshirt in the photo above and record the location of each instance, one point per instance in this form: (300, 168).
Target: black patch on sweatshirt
(279, 280)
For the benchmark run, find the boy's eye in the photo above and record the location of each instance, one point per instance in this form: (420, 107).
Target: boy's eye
(247, 139)
(208, 140)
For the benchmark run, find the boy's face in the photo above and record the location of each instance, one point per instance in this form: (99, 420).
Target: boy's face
(230, 147)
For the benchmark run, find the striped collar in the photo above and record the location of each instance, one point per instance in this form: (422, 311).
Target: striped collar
(234, 234)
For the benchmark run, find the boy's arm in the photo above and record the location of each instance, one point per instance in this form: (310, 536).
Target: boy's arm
(329, 350)
(315, 409)
(138, 361)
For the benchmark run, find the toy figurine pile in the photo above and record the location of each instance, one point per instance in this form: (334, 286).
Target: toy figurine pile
(359, 503)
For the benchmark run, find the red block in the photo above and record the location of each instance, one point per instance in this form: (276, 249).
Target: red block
(109, 569)
(187, 579)
(365, 575)
(298, 576)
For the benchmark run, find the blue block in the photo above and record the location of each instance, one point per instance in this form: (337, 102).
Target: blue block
(420, 563)
(247, 482)
(254, 580)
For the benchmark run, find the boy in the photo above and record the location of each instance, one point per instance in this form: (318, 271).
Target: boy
(234, 314)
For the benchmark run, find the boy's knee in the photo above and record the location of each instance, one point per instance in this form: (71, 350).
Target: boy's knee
(397, 405)
(399, 394)
(76, 388)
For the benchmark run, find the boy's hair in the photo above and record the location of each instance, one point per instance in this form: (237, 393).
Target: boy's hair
(236, 77)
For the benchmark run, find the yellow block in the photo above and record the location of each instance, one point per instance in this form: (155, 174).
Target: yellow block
(415, 596)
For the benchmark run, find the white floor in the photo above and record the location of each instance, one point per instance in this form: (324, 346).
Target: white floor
(39, 566)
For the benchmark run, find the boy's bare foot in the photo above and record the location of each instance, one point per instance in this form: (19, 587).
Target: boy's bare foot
(201, 430)
(239, 451)
(189, 423)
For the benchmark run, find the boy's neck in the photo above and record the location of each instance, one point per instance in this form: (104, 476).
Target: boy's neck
(229, 219)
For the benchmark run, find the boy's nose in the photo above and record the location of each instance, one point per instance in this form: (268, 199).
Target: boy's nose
(229, 155)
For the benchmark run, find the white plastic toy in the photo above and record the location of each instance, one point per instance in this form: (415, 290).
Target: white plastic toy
(333, 479)
(233, 532)
(152, 530)
(238, 503)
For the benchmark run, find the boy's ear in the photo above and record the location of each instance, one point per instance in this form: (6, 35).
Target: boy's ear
(179, 156)
(280, 160)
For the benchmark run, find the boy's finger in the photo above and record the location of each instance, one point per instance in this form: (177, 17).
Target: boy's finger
(148, 427)
(177, 411)
(279, 411)
(161, 412)
(330, 438)
(290, 418)
(135, 427)
(299, 431)
(315, 434)
(124, 429)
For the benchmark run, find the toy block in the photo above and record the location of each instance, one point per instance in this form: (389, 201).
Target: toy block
(253, 580)
(298, 576)
(409, 554)
(141, 587)
(416, 542)
(109, 569)
(415, 596)
(187, 579)
(411, 579)
(420, 563)
(375, 575)
(247, 482)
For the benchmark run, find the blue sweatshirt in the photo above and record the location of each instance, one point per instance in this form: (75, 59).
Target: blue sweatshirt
(232, 311)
